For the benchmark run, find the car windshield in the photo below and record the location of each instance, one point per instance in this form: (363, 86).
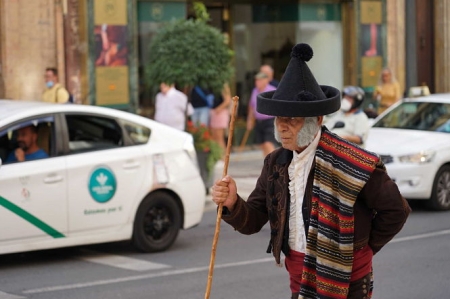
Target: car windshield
(424, 116)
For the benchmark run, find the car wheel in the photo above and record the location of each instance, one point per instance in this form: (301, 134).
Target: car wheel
(157, 223)
(440, 196)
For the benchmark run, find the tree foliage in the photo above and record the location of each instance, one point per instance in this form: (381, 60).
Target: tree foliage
(188, 53)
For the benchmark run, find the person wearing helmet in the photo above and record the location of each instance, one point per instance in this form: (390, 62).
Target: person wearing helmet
(350, 123)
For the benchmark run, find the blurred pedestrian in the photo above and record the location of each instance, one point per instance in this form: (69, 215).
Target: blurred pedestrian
(261, 123)
(202, 101)
(330, 204)
(351, 122)
(54, 92)
(268, 70)
(220, 116)
(388, 90)
(172, 107)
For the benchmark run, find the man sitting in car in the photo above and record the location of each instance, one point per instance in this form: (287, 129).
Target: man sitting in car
(28, 148)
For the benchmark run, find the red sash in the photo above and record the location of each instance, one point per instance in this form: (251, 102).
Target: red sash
(362, 265)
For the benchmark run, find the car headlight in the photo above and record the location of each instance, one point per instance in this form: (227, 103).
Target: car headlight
(422, 157)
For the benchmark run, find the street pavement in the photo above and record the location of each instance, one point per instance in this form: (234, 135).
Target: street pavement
(413, 265)
(244, 167)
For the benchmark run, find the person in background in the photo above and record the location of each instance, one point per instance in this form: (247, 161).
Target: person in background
(28, 148)
(388, 90)
(268, 70)
(54, 92)
(261, 123)
(202, 101)
(172, 107)
(220, 116)
(331, 204)
(351, 122)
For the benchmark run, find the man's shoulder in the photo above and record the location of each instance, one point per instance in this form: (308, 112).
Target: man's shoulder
(279, 156)
(58, 87)
(39, 154)
(179, 93)
(11, 158)
(361, 116)
(270, 87)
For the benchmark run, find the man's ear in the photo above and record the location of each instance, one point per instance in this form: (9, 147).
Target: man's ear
(320, 120)
(35, 137)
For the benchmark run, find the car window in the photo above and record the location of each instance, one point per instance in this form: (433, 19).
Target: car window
(423, 116)
(91, 133)
(28, 140)
(137, 133)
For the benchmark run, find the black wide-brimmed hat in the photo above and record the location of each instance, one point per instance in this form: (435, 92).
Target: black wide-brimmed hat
(299, 94)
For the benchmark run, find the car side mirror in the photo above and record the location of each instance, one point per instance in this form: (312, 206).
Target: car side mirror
(339, 125)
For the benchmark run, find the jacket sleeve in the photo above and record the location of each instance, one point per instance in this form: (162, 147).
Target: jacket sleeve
(248, 217)
(390, 208)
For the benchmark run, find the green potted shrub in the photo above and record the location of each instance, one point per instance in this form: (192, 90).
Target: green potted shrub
(188, 53)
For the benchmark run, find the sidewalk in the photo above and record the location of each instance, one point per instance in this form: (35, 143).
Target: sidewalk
(245, 154)
(245, 168)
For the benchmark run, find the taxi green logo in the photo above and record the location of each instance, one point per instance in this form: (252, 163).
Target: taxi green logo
(102, 184)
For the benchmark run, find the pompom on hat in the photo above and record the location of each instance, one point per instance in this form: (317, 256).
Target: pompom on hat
(299, 94)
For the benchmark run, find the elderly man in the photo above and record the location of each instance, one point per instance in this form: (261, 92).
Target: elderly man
(330, 204)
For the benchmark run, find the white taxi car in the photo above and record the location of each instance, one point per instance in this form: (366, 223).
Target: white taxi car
(413, 139)
(107, 175)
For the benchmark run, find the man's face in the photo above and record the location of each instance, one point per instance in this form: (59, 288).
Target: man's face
(261, 83)
(50, 76)
(164, 88)
(26, 137)
(350, 99)
(267, 70)
(386, 76)
(296, 133)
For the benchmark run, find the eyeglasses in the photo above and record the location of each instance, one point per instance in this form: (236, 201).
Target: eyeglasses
(292, 121)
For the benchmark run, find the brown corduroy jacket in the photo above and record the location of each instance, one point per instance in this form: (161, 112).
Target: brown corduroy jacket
(379, 211)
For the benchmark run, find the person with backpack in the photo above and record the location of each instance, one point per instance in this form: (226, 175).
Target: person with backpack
(55, 92)
(202, 100)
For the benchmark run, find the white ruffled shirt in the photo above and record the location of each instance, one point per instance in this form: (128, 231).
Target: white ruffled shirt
(298, 175)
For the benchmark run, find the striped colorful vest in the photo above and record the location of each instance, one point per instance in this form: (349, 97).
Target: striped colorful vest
(342, 170)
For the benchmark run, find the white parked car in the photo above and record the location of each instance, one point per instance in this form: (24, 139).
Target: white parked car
(105, 175)
(413, 139)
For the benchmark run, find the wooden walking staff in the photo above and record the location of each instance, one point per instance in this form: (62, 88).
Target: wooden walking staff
(220, 207)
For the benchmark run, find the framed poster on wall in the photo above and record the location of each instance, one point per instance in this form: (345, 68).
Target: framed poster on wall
(372, 37)
(111, 54)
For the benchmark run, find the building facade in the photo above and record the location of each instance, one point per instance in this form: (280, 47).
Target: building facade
(352, 40)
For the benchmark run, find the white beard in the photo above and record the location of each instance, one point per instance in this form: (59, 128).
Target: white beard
(306, 135)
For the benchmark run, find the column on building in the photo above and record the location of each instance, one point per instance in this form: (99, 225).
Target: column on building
(442, 45)
(396, 38)
(29, 45)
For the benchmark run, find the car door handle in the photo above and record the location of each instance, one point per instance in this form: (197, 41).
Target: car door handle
(53, 179)
(131, 165)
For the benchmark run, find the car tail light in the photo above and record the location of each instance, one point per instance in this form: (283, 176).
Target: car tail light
(190, 150)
